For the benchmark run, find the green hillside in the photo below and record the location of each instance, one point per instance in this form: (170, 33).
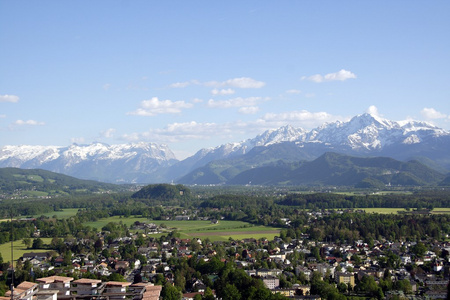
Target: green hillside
(40, 183)
(343, 170)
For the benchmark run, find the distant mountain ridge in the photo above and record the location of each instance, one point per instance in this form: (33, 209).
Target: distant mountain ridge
(38, 182)
(363, 135)
(343, 170)
(123, 163)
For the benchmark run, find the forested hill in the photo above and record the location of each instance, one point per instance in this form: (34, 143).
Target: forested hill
(36, 182)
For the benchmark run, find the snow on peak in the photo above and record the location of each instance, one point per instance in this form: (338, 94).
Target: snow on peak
(75, 153)
(283, 134)
(412, 139)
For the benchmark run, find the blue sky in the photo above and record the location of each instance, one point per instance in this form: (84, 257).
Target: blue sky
(195, 74)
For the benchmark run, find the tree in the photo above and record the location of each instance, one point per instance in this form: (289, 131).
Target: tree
(116, 277)
(98, 245)
(38, 244)
(342, 287)
(419, 249)
(27, 242)
(169, 292)
(208, 295)
(404, 285)
(231, 292)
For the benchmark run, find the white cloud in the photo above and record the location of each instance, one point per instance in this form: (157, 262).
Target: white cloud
(178, 132)
(9, 98)
(303, 118)
(28, 123)
(154, 107)
(235, 102)
(106, 86)
(108, 133)
(2, 116)
(249, 110)
(241, 82)
(341, 75)
(222, 92)
(244, 83)
(432, 114)
(373, 110)
(293, 91)
(178, 85)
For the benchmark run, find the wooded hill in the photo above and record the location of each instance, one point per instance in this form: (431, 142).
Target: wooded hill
(41, 182)
(329, 169)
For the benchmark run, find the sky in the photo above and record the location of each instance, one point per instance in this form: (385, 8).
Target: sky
(198, 74)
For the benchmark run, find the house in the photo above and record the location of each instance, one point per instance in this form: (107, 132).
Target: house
(190, 296)
(285, 292)
(40, 256)
(85, 286)
(151, 291)
(324, 268)
(47, 295)
(271, 282)
(302, 289)
(24, 291)
(60, 283)
(122, 265)
(116, 290)
(307, 272)
(347, 278)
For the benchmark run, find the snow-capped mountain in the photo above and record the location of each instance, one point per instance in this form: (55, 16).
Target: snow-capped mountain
(368, 133)
(363, 135)
(138, 162)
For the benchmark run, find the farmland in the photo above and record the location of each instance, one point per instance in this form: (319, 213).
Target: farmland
(201, 229)
(19, 249)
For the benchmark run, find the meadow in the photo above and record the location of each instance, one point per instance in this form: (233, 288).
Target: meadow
(65, 213)
(201, 229)
(19, 249)
(381, 210)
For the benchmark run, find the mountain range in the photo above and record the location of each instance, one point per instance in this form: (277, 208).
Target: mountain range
(287, 147)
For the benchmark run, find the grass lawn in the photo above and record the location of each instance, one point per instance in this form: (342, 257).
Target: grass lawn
(19, 249)
(65, 213)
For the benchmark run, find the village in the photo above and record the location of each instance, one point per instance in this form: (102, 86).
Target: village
(140, 264)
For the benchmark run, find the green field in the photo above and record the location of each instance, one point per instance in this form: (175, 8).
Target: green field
(441, 210)
(19, 249)
(65, 213)
(222, 231)
(438, 210)
(116, 219)
(201, 229)
(381, 210)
